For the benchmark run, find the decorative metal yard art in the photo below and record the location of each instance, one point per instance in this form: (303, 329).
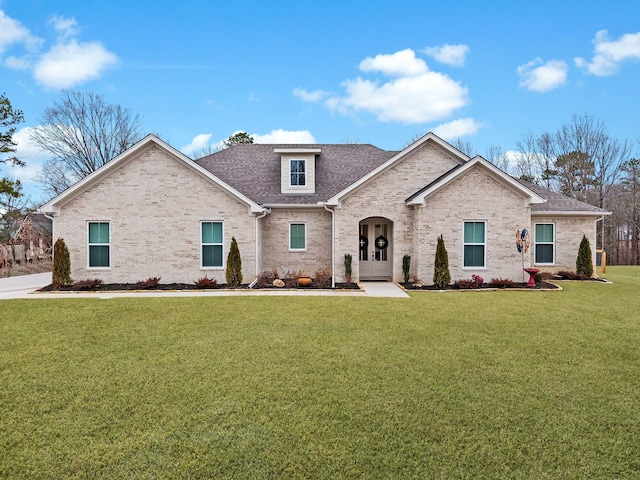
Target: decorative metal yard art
(522, 244)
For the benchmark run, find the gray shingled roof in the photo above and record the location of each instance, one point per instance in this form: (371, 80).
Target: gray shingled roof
(556, 202)
(254, 170)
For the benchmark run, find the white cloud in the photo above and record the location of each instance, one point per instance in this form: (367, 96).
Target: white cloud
(13, 32)
(199, 142)
(73, 63)
(458, 128)
(400, 64)
(66, 27)
(285, 136)
(609, 54)
(454, 55)
(66, 64)
(539, 76)
(28, 152)
(307, 96)
(18, 63)
(425, 98)
(414, 94)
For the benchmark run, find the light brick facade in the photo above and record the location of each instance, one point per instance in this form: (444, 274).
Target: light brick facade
(155, 200)
(476, 192)
(384, 196)
(568, 235)
(276, 253)
(154, 205)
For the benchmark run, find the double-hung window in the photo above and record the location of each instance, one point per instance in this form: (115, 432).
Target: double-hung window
(297, 236)
(474, 244)
(212, 244)
(297, 170)
(99, 245)
(544, 243)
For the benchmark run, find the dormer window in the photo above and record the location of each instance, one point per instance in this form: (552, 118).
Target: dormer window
(298, 173)
(298, 169)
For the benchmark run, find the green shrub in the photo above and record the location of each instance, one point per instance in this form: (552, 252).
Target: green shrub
(347, 267)
(61, 274)
(406, 265)
(441, 274)
(584, 262)
(234, 265)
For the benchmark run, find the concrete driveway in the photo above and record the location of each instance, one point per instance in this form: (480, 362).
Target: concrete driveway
(17, 287)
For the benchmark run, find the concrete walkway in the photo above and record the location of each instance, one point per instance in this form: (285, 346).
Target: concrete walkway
(25, 285)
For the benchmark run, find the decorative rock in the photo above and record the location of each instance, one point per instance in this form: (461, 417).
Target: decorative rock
(278, 283)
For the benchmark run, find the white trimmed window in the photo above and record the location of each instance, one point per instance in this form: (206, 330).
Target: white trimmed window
(475, 244)
(545, 243)
(297, 236)
(99, 240)
(212, 245)
(297, 171)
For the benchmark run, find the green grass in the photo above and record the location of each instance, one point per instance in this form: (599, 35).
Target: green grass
(444, 385)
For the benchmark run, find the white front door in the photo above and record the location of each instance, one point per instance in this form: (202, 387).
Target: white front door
(375, 249)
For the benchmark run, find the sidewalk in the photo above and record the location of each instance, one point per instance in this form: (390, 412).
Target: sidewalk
(24, 287)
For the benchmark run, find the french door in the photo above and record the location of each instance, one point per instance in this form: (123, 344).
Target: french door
(375, 249)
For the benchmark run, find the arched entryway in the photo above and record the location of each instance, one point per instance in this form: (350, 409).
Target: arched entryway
(376, 249)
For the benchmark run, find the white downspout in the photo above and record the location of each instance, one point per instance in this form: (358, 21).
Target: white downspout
(333, 245)
(258, 217)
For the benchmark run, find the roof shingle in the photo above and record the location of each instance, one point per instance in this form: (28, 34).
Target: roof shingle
(254, 170)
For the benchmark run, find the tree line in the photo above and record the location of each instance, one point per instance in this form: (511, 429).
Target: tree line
(82, 131)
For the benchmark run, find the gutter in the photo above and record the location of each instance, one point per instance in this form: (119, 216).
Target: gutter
(333, 244)
(264, 213)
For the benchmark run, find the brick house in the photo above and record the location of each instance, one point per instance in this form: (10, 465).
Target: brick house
(153, 212)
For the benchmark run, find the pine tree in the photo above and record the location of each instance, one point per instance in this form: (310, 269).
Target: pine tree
(584, 262)
(234, 265)
(61, 274)
(441, 274)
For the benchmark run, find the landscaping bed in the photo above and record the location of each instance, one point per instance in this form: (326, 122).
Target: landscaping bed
(132, 287)
(486, 286)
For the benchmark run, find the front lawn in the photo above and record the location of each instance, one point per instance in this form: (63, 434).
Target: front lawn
(497, 384)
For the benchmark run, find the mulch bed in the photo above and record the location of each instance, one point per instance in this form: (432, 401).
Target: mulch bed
(119, 287)
(486, 286)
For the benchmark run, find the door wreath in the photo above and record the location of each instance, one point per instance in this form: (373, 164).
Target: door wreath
(382, 242)
(364, 242)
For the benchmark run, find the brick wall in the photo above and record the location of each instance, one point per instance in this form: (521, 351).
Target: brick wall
(474, 196)
(385, 197)
(154, 204)
(275, 241)
(569, 232)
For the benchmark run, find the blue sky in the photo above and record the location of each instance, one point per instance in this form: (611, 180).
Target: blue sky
(327, 72)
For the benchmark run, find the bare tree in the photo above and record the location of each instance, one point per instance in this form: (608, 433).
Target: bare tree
(527, 166)
(631, 225)
(206, 151)
(465, 147)
(82, 132)
(545, 149)
(496, 156)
